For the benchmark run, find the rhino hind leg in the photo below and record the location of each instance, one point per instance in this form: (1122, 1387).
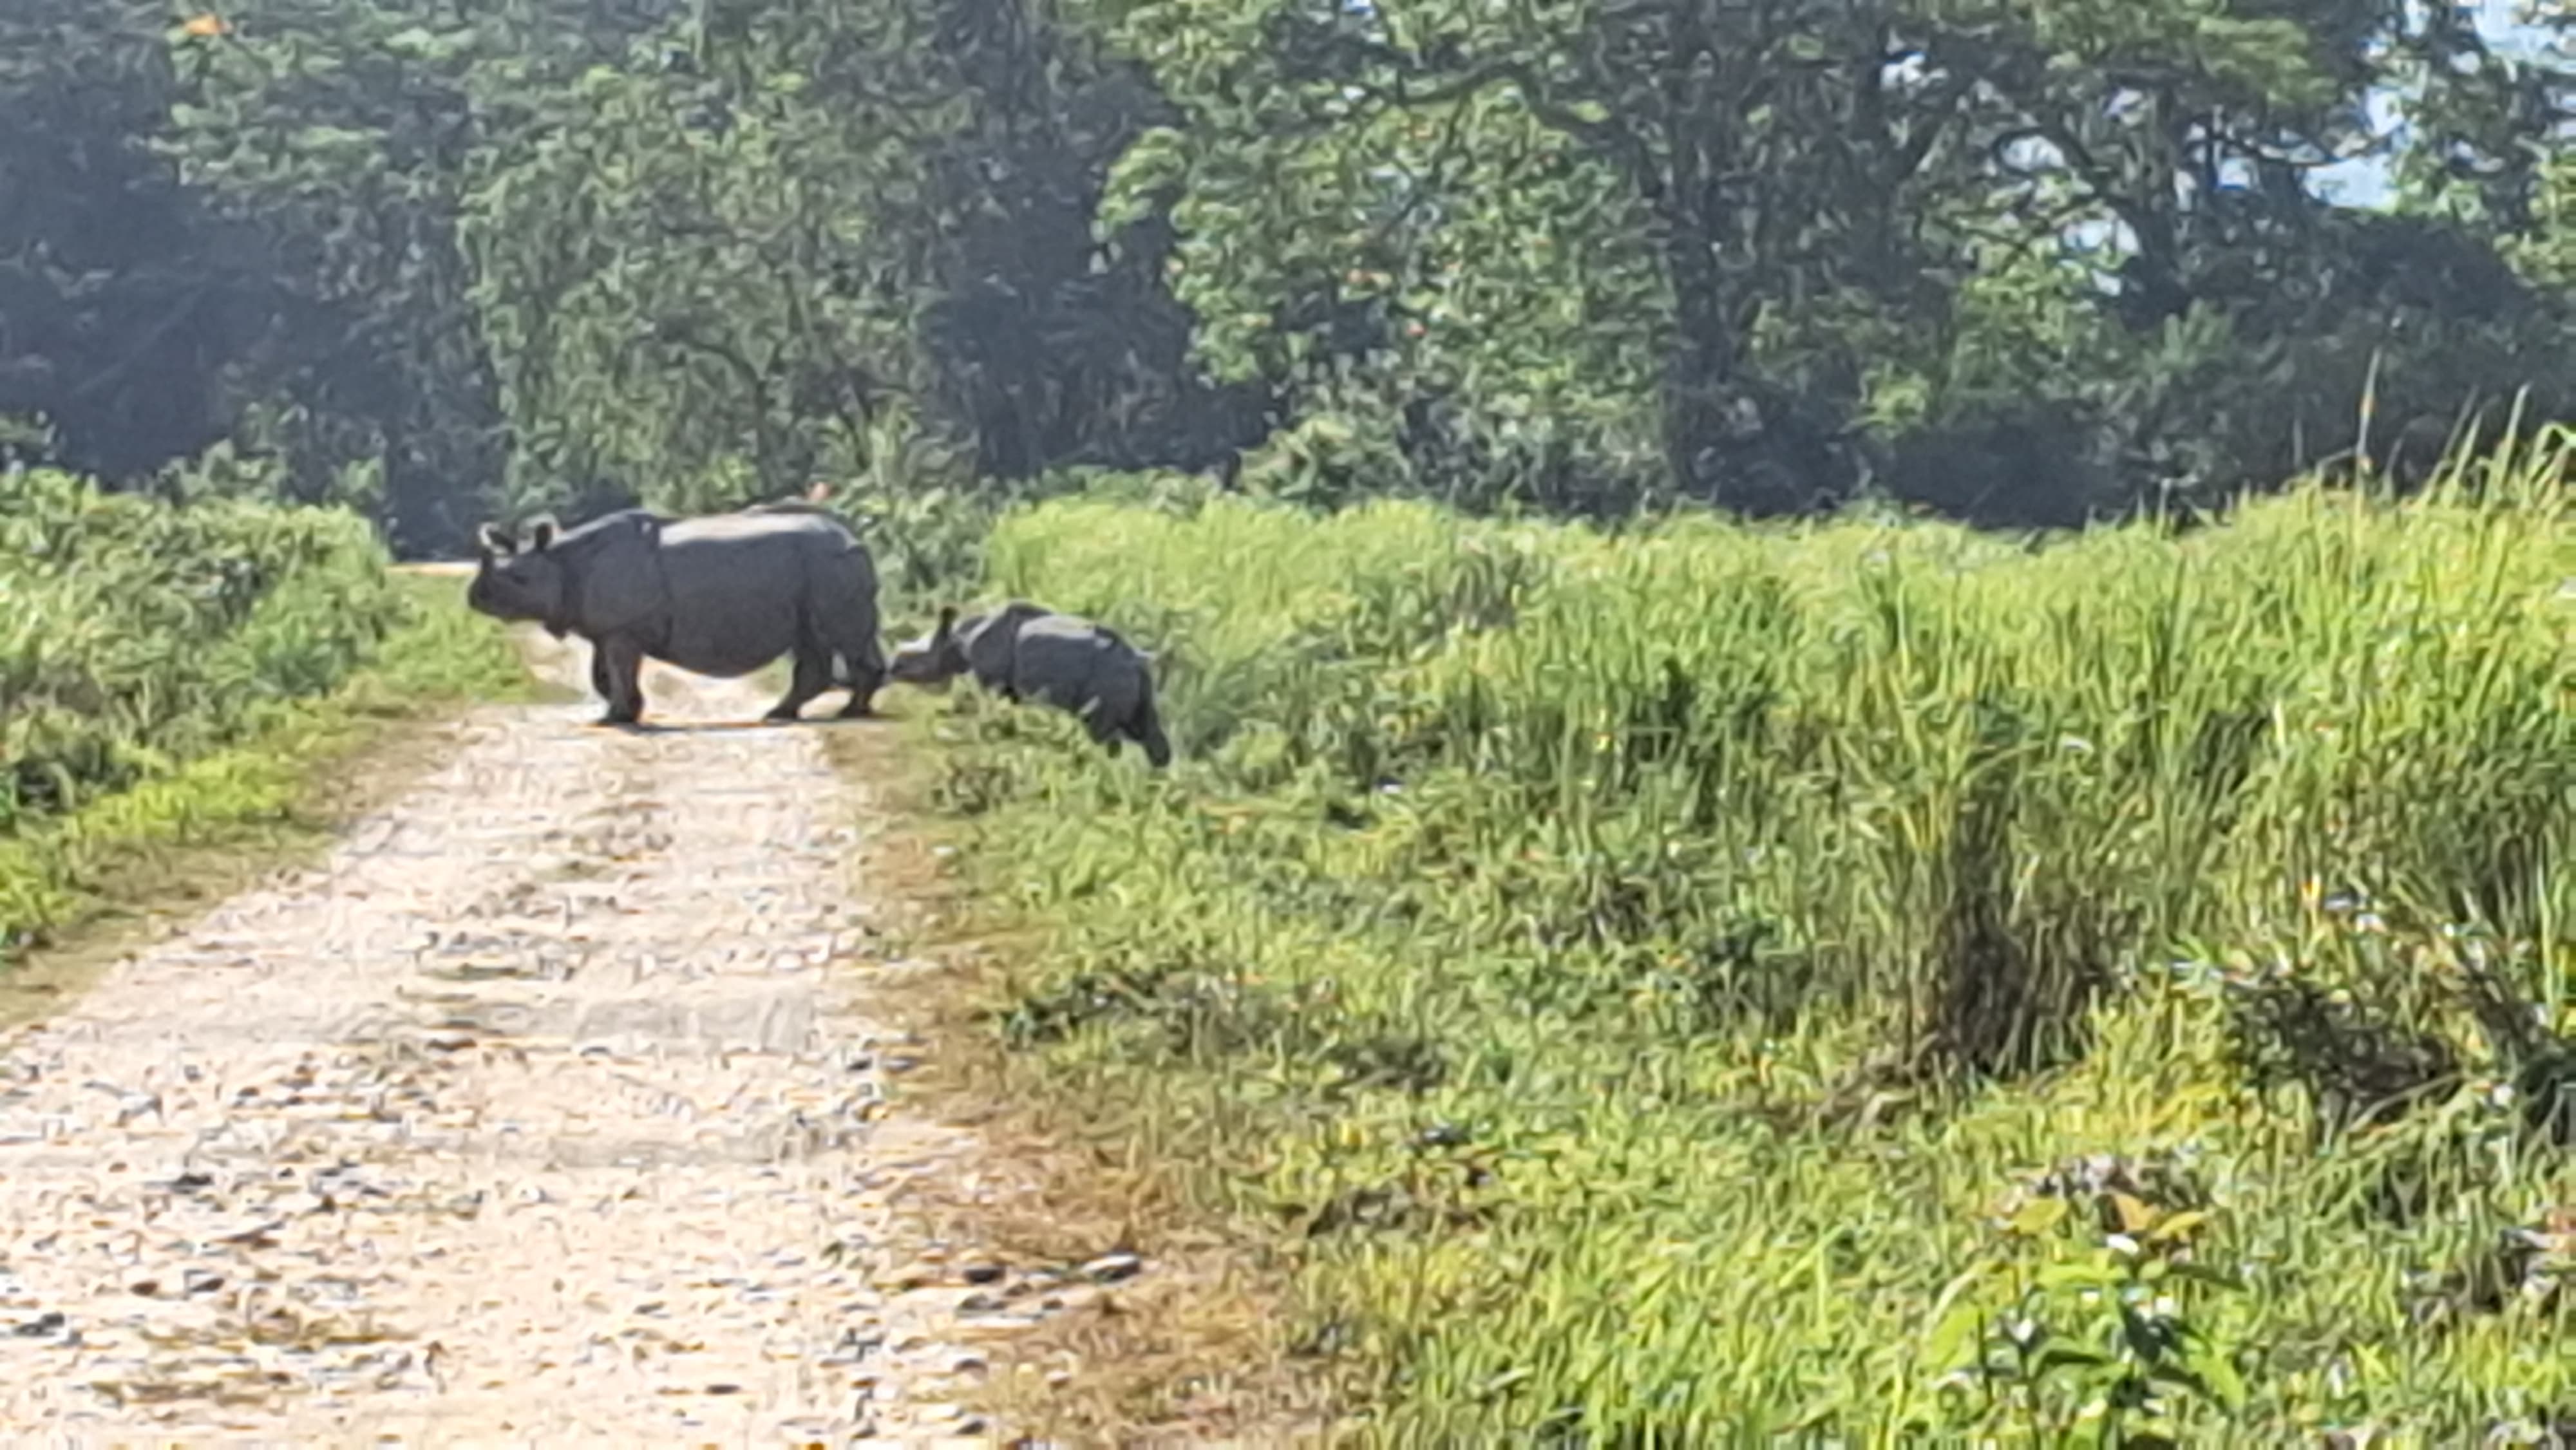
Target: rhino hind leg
(813, 676)
(1144, 723)
(867, 674)
(1145, 727)
(848, 638)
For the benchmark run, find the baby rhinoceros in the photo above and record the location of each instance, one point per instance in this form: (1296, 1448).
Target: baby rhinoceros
(1026, 651)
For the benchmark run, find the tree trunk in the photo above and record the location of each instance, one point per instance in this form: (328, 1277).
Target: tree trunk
(1722, 445)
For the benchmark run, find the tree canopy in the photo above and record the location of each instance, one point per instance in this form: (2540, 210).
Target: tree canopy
(2021, 263)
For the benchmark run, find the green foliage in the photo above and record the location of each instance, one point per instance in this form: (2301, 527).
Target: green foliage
(1785, 224)
(2548, 251)
(1697, 983)
(851, 242)
(2016, 263)
(122, 303)
(676, 276)
(134, 634)
(338, 132)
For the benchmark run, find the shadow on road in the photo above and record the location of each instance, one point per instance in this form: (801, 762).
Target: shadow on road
(719, 727)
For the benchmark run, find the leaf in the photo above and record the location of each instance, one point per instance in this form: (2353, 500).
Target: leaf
(2064, 1356)
(2217, 1368)
(2135, 1214)
(1960, 1325)
(2079, 1275)
(2180, 1227)
(2037, 1217)
(2216, 1278)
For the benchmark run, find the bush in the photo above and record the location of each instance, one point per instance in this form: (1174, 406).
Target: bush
(134, 634)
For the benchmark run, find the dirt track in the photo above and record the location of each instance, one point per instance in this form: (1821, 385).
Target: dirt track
(546, 1111)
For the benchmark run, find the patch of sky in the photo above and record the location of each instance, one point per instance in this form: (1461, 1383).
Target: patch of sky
(2512, 28)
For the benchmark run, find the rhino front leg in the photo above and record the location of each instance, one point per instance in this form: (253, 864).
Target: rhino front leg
(1104, 731)
(615, 666)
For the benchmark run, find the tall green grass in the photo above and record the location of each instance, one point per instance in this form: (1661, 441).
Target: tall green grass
(169, 674)
(134, 633)
(1867, 980)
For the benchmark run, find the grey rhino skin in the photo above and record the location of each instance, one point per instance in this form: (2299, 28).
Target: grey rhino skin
(721, 595)
(1026, 651)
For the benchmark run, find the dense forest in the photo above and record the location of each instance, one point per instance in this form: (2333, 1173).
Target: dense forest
(2016, 263)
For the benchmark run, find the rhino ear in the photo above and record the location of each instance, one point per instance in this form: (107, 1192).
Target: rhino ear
(541, 532)
(495, 541)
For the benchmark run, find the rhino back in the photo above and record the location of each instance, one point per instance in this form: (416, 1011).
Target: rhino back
(989, 641)
(836, 563)
(735, 592)
(813, 527)
(637, 522)
(1071, 662)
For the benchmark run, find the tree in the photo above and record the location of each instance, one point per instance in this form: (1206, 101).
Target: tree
(758, 250)
(1826, 200)
(121, 303)
(342, 130)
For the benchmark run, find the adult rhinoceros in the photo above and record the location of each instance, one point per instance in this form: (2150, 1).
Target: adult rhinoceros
(721, 595)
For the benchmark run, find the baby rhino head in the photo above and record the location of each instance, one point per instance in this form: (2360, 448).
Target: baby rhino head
(935, 658)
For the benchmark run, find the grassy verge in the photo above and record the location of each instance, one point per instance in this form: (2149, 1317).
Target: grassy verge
(1191, 1352)
(1865, 981)
(136, 634)
(75, 887)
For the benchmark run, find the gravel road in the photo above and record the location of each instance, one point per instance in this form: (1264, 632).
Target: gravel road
(547, 1110)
